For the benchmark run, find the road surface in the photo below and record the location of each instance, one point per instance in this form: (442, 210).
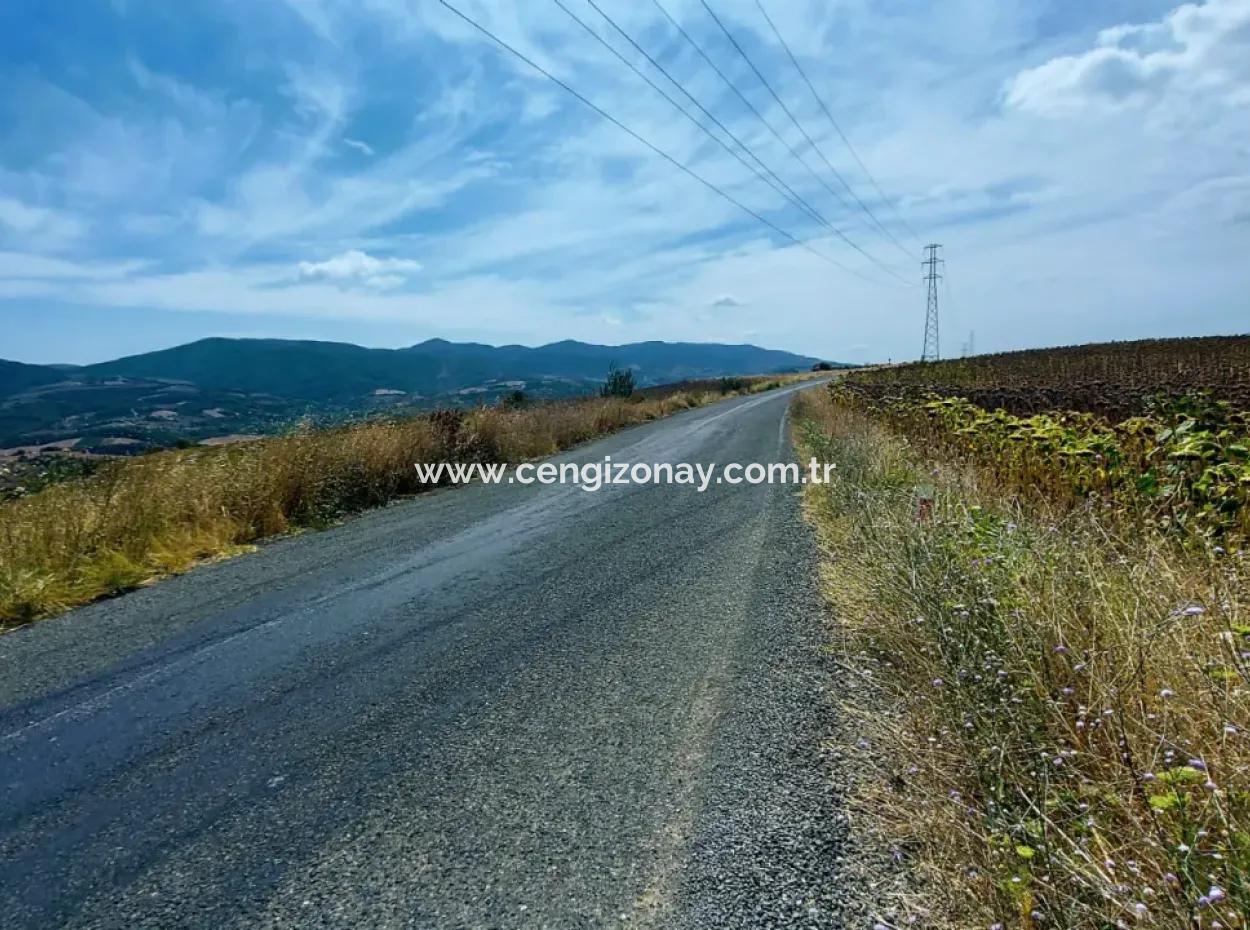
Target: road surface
(495, 706)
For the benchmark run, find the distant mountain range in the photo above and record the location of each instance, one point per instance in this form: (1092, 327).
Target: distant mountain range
(219, 386)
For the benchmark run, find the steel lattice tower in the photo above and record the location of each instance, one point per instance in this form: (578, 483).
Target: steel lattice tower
(932, 350)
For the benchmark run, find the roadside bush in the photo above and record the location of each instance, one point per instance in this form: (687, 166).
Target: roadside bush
(620, 383)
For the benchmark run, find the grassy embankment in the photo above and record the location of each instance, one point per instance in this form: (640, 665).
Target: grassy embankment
(139, 519)
(1054, 683)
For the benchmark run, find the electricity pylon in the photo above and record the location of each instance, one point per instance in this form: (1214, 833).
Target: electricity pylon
(932, 350)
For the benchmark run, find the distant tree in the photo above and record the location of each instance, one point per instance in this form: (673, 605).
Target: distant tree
(822, 366)
(513, 399)
(620, 383)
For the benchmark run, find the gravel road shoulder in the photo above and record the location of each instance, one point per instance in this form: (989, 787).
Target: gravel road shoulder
(773, 845)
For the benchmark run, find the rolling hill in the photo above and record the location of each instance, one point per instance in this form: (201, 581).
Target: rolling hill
(325, 371)
(227, 386)
(18, 376)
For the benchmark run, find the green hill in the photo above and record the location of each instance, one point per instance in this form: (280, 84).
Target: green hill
(18, 376)
(333, 371)
(217, 387)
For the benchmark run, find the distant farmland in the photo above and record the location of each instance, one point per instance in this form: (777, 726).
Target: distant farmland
(1115, 379)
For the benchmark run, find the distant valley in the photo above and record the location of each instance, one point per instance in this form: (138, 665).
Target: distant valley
(217, 389)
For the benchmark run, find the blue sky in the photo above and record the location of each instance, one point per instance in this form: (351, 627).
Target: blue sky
(374, 171)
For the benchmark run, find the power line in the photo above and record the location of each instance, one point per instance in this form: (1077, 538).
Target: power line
(810, 141)
(788, 192)
(796, 200)
(838, 129)
(763, 80)
(746, 101)
(658, 151)
(811, 211)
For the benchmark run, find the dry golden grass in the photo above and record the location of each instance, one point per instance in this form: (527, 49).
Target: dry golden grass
(1059, 706)
(142, 518)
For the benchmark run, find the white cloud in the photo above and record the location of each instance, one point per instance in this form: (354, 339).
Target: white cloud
(29, 265)
(319, 95)
(38, 227)
(537, 220)
(1199, 50)
(356, 267)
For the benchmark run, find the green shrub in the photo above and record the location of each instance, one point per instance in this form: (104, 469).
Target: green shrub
(620, 383)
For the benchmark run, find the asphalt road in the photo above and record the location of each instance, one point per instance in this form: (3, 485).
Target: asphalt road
(497, 706)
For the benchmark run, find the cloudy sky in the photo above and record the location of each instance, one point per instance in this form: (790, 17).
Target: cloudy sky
(376, 171)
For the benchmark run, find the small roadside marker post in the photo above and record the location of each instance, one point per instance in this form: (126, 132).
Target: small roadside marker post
(925, 495)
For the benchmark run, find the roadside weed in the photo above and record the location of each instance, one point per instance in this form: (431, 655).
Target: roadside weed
(1062, 697)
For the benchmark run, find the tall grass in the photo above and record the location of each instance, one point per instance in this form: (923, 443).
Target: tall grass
(1059, 704)
(141, 518)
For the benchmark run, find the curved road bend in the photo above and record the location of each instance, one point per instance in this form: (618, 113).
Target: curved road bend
(498, 706)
